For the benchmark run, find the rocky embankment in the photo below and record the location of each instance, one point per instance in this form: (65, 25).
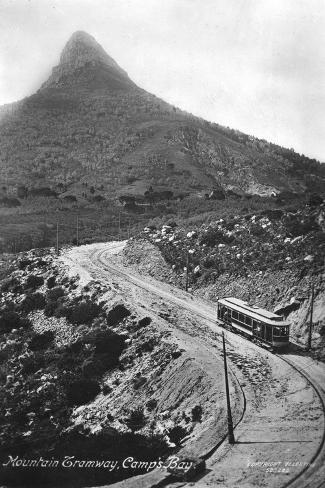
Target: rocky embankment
(270, 258)
(85, 374)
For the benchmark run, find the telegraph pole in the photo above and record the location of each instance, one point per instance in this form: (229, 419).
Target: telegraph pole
(187, 266)
(57, 238)
(77, 238)
(311, 315)
(231, 437)
(119, 224)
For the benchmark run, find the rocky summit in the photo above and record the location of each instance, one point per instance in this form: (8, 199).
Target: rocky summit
(81, 59)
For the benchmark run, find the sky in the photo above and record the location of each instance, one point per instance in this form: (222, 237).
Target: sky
(253, 65)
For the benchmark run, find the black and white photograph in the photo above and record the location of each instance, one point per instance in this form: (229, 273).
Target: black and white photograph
(162, 238)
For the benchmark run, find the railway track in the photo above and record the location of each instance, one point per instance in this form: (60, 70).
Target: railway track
(313, 474)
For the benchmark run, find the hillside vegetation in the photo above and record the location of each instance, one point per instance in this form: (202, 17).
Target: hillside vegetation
(90, 136)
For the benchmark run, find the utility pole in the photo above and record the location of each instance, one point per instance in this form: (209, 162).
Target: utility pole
(311, 315)
(231, 437)
(119, 224)
(77, 238)
(57, 238)
(187, 266)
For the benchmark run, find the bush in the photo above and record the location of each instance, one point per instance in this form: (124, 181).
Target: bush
(34, 282)
(176, 434)
(147, 346)
(23, 263)
(82, 391)
(31, 364)
(108, 342)
(54, 293)
(116, 315)
(34, 301)
(11, 284)
(151, 404)
(51, 282)
(41, 341)
(197, 413)
(50, 309)
(11, 320)
(136, 420)
(215, 236)
(83, 312)
(144, 322)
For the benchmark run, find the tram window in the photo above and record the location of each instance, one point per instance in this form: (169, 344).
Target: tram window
(241, 318)
(280, 331)
(248, 320)
(235, 315)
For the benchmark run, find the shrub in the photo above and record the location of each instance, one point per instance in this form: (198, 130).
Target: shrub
(51, 282)
(197, 413)
(176, 434)
(34, 301)
(54, 293)
(31, 364)
(136, 419)
(147, 346)
(50, 309)
(34, 281)
(41, 341)
(117, 314)
(23, 263)
(11, 320)
(144, 322)
(215, 236)
(81, 391)
(108, 342)
(83, 312)
(151, 404)
(9, 202)
(106, 391)
(11, 284)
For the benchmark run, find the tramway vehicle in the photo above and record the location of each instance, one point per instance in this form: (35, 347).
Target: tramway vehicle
(255, 323)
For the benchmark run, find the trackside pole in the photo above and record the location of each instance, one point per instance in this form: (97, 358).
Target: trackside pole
(231, 437)
(57, 238)
(310, 331)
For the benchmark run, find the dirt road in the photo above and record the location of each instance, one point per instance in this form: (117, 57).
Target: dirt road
(280, 437)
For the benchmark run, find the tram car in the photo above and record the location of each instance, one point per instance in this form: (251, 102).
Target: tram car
(257, 324)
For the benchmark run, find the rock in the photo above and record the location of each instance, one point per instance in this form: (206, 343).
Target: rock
(309, 258)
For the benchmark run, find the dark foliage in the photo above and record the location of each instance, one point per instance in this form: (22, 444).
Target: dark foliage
(51, 282)
(176, 434)
(34, 282)
(41, 341)
(33, 301)
(11, 320)
(144, 322)
(197, 413)
(82, 391)
(54, 293)
(117, 314)
(136, 420)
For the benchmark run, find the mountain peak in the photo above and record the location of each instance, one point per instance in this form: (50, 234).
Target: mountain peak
(82, 51)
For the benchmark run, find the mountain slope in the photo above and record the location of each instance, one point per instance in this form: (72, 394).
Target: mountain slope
(90, 123)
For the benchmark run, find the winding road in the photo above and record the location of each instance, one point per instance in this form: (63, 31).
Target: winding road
(280, 436)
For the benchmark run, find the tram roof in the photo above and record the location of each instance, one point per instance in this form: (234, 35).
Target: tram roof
(254, 311)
